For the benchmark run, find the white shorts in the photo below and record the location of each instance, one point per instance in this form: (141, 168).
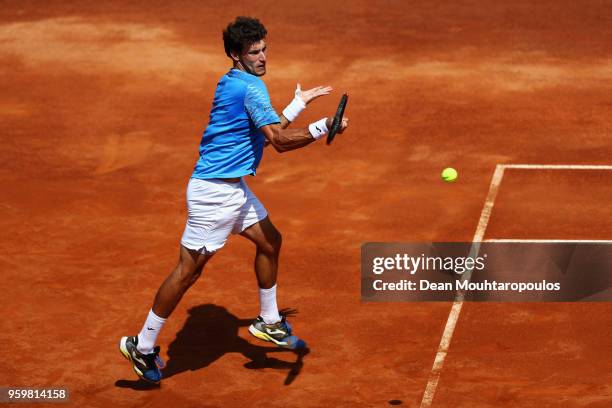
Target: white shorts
(216, 209)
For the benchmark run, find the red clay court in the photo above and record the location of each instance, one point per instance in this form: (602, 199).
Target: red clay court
(101, 115)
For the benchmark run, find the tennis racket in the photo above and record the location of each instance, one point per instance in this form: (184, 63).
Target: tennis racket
(337, 122)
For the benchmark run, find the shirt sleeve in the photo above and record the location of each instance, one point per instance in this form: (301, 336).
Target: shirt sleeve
(257, 105)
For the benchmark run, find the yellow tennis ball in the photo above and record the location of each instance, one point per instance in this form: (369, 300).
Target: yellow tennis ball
(449, 174)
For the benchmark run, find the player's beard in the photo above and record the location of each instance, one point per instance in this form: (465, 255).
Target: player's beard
(261, 71)
(252, 70)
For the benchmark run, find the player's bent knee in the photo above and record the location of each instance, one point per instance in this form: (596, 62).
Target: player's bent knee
(278, 242)
(187, 276)
(189, 268)
(272, 245)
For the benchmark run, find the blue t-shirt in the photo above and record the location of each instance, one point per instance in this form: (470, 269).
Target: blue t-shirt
(232, 144)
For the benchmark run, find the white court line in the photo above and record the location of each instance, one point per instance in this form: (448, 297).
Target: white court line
(557, 166)
(455, 311)
(453, 316)
(552, 241)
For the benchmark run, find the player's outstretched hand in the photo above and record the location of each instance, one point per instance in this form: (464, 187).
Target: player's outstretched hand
(343, 126)
(312, 94)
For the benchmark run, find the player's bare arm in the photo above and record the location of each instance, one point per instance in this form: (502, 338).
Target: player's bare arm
(284, 122)
(284, 140)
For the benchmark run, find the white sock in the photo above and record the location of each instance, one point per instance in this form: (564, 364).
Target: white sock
(269, 309)
(148, 335)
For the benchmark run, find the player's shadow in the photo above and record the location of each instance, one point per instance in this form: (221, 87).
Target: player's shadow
(211, 332)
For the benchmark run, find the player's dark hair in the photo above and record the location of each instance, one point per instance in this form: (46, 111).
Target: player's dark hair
(241, 33)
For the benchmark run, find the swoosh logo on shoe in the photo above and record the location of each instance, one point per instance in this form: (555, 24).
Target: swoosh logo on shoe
(275, 331)
(149, 328)
(140, 360)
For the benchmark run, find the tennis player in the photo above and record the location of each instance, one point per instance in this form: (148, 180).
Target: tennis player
(219, 202)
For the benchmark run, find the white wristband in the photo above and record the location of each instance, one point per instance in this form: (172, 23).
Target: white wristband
(318, 129)
(295, 107)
